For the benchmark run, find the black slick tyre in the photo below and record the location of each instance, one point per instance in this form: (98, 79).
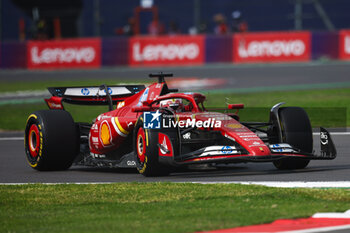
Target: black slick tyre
(51, 140)
(146, 151)
(296, 131)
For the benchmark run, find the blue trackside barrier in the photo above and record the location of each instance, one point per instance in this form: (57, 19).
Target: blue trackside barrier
(115, 51)
(325, 45)
(13, 55)
(218, 48)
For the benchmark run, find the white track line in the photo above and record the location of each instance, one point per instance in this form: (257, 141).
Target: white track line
(316, 230)
(24, 93)
(346, 214)
(12, 139)
(334, 133)
(281, 184)
(289, 184)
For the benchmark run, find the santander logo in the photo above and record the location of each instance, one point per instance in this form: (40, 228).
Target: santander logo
(62, 55)
(165, 52)
(268, 48)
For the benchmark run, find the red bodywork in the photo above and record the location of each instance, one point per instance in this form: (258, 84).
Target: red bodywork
(111, 131)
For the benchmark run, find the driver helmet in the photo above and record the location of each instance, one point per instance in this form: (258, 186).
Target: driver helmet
(175, 104)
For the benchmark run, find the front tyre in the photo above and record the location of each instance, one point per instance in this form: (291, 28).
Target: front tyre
(51, 140)
(146, 151)
(296, 131)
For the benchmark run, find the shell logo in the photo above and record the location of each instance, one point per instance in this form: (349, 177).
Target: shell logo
(105, 134)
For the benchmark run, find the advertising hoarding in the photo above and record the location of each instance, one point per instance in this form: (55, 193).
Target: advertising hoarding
(80, 53)
(166, 50)
(271, 47)
(344, 44)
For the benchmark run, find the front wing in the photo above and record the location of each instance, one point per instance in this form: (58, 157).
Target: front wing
(232, 154)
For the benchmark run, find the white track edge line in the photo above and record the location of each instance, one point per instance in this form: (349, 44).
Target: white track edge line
(319, 229)
(280, 184)
(12, 139)
(288, 184)
(334, 133)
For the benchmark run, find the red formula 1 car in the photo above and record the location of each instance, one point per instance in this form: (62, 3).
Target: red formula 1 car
(155, 128)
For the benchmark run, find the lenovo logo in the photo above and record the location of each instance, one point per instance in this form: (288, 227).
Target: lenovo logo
(163, 52)
(62, 55)
(347, 45)
(74, 53)
(344, 44)
(166, 50)
(274, 48)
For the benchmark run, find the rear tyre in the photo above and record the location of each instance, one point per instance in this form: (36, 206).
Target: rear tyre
(146, 151)
(296, 131)
(51, 140)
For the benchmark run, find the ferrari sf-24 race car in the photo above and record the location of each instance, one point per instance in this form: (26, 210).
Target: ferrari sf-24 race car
(156, 129)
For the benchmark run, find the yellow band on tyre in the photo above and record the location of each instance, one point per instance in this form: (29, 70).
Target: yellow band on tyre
(146, 134)
(32, 115)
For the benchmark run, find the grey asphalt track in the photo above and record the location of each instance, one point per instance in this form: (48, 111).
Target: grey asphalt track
(239, 76)
(14, 169)
(232, 78)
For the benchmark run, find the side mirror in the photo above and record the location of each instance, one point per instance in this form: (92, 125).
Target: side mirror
(235, 106)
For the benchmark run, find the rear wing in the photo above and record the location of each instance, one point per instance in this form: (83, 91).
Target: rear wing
(91, 95)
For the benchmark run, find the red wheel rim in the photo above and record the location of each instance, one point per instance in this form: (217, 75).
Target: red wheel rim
(34, 140)
(141, 145)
